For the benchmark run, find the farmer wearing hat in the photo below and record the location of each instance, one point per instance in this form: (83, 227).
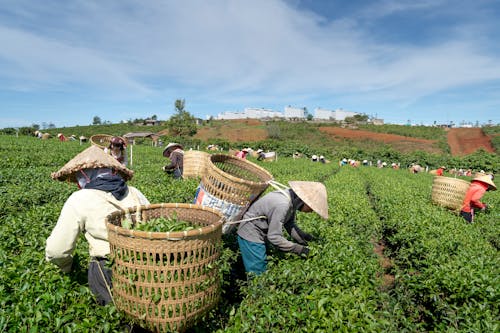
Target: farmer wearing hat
(242, 153)
(117, 149)
(440, 170)
(267, 217)
(472, 201)
(174, 152)
(103, 190)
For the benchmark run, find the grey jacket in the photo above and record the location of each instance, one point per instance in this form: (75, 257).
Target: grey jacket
(280, 213)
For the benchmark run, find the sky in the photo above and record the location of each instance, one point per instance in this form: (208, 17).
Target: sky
(422, 62)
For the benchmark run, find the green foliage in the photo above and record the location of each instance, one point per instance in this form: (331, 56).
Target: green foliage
(443, 272)
(182, 123)
(494, 133)
(96, 120)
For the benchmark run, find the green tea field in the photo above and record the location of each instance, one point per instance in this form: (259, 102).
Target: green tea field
(386, 260)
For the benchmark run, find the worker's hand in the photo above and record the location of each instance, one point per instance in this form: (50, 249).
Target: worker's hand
(485, 208)
(304, 253)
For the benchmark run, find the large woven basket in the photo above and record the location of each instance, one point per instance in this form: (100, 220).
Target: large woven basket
(234, 180)
(102, 140)
(166, 281)
(449, 192)
(195, 163)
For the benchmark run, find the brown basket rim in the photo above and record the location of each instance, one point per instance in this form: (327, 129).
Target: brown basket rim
(176, 235)
(236, 179)
(103, 136)
(451, 178)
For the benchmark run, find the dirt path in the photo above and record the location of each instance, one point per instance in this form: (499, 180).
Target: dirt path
(399, 142)
(463, 141)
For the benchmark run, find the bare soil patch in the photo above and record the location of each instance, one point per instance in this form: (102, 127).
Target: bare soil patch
(398, 142)
(463, 141)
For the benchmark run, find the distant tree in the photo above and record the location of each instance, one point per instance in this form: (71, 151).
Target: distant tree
(51, 125)
(154, 117)
(27, 130)
(36, 127)
(96, 120)
(182, 123)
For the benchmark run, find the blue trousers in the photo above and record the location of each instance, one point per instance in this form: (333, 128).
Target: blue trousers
(254, 256)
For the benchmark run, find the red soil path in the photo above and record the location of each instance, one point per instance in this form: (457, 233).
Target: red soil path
(463, 141)
(399, 142)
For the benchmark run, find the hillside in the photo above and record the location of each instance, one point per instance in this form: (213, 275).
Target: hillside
(463, 141)
(319, 138)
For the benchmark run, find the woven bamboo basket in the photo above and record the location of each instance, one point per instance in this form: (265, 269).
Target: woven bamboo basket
(449, 192)
(165, 281)
(195, 163)
(234, 180)
(102, 140)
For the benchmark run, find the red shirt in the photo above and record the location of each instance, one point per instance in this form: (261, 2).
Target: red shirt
(473, 195)
(439, 172)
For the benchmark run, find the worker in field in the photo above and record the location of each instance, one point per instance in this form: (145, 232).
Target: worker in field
(103, 190)
(174, 152)
(440, 171)
(266, 218)
(242, 153)
(472, 201)
(117, 149)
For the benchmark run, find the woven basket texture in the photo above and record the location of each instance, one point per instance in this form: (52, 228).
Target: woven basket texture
(449, 192)
(234, 180)
(195, 163)
(166, 281)
(102, 140)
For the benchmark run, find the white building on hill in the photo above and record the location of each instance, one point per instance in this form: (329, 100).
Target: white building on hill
(254, 113)
(337, 115)
(291, 112)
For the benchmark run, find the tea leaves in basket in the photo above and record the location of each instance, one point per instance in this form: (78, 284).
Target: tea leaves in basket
(160, 224)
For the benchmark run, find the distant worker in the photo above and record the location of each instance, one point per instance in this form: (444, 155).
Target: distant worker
(61, 137)
(174, 152)
(472, 201)
(242, 153)
(322, 159)
(440, 170)
(314, 158)
(117, 150)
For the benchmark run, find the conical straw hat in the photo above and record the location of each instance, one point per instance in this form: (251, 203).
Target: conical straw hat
(487, 180)
(91, 158)
(313, 194)
(170, 147)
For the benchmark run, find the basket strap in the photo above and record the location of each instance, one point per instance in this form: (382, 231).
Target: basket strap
(280, 187)
(247, 220)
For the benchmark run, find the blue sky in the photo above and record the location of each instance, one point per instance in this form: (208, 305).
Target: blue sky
(64, 62)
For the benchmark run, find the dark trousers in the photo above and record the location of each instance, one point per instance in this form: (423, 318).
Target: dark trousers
(100, 280)
(469, 217)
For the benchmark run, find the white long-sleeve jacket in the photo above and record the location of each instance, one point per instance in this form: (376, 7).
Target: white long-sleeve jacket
(85, 212)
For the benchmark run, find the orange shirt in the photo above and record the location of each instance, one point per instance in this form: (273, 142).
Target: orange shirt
(473, 196)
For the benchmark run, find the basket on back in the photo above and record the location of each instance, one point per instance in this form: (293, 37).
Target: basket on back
(230, 184)
(102, 140)
(195, 163)
(449, 192)
(165, 281)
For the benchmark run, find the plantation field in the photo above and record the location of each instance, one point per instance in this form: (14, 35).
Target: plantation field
(387, 260)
